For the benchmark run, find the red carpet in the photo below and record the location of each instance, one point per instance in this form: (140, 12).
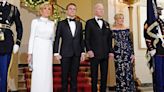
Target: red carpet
(84, 80)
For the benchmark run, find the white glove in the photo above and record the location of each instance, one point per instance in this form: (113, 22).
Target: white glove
(15, 48)
(152, 52)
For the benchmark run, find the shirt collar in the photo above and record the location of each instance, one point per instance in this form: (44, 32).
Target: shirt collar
(43, 18)
(96, 17)
(68, 17)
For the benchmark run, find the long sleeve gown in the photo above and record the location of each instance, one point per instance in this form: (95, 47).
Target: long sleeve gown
(41, 48)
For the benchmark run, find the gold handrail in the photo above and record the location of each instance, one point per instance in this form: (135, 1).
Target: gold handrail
(59, 11)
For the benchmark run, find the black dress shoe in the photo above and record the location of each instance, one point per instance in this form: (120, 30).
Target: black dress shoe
(112, 88)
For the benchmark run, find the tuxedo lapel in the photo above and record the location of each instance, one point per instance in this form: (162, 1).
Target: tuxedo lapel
(77, 27)
(68, 27)
(95, 22)
(104, 25)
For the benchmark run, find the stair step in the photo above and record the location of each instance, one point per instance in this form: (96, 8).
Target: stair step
(80, 74)
(84, 80)
(26, 69)
(81, 68)
(81, 88)
(21, 70)
(21, 81)
(85, 69)
(85, 63)
(21, 76)
(21, 85)
(22, 89)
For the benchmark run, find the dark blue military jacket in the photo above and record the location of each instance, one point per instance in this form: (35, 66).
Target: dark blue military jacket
(153, 43)
(9, 14)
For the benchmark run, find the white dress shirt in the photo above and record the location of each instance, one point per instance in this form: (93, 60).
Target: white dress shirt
(72, 26)
(100, 22)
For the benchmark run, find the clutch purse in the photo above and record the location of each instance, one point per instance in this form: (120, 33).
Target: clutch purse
(30, 66)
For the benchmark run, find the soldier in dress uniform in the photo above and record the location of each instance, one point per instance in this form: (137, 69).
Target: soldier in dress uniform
(154, 35)
(9, 14)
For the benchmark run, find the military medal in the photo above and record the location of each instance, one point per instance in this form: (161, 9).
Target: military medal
(2, 37)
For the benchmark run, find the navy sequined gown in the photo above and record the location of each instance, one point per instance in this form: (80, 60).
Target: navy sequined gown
(123, 50)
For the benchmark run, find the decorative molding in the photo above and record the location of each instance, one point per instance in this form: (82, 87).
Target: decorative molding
(33, 6)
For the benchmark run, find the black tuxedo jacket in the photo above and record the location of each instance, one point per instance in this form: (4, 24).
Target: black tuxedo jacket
(98, 40)
(70, 45)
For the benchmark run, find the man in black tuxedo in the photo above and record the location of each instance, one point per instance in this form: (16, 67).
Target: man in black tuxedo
(99, 46)
(9, 14)
(72, 47)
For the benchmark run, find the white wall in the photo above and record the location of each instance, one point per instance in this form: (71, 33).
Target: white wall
(142, 70)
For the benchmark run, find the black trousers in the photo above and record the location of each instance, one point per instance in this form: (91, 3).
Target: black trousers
(94, 73)
(70, 67)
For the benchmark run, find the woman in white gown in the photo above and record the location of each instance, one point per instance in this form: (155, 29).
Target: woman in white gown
(40, 50)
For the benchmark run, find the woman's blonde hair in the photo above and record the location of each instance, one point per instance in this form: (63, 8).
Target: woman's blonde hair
(117, 16)
(43, 5)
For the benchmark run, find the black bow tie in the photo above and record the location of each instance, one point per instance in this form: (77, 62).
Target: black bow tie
(100, 19)
(71, 19)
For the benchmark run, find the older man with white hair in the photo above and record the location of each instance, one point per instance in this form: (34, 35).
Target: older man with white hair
(98, 46)
(9, 14)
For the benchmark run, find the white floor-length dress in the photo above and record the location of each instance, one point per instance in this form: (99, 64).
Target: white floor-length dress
(41, 48)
